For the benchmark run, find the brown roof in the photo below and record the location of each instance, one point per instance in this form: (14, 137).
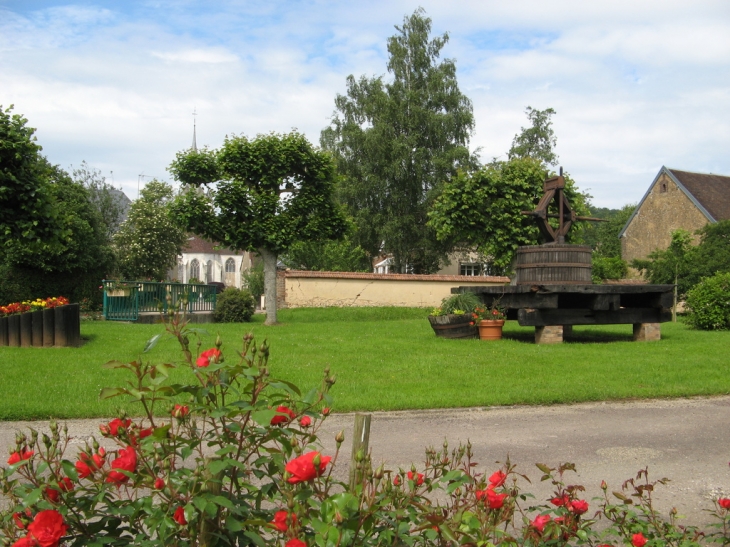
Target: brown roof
(711, 191)
(196, 244)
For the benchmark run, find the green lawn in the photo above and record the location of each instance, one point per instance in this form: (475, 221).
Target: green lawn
(385, 359)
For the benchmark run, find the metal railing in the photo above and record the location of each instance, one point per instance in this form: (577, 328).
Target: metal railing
(125, 300)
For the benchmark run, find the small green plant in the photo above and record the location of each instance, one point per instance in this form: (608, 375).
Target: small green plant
(709, 303)
(234, 306)
(608, 268)
(462, 302)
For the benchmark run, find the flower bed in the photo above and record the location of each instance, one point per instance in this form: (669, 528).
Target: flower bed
(235, 461)
(40, 323)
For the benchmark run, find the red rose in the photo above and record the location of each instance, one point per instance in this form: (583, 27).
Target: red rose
(47, 528)
(86, 466)
(396, 480)
(159, 483)
(724, 503)
(282, 521)
(127, 461)
(495, 501)
(305, 421)
(20, 521)
(65, 485)
(27, 541)
(112, 428)
(638, 540)
(145, 432)
(564, 500)
(326, 411)
(579, 506)
(304, 469)
(497, 479)
(418, 479)
(540, 522)
(17, 457)
(283, 415)
(179, 515)
(481, 495)
(208, 356)
(180, 411)
(295, 543)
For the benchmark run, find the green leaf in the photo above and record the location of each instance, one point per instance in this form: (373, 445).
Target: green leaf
(109, 392)
(151, 343)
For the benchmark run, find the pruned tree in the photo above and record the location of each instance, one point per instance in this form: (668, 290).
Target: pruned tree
(260, 195)
(396, 141)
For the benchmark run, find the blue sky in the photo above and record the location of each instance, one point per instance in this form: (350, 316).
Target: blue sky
(635, 84)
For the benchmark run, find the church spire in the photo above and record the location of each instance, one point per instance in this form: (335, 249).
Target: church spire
(195, 144)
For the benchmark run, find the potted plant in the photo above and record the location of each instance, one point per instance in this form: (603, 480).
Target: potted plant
(489, 321)
(453, 319)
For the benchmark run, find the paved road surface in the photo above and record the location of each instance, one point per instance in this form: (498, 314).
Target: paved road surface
(685, 440)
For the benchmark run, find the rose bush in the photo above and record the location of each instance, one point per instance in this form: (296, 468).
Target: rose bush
(231, 457)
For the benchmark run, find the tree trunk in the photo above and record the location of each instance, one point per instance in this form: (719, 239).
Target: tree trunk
(269, 284)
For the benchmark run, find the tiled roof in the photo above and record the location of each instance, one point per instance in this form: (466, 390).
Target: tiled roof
(711, 191)
(398, 277)
(196, 244)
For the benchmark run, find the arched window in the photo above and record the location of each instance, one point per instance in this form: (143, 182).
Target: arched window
(194, 270)
(230, 266)
(209, 271)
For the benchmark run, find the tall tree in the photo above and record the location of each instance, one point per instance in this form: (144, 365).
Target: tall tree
(396, 141)
(262, 195)
(483, 209)
(108, 201)
(537, 141)
(150, 240)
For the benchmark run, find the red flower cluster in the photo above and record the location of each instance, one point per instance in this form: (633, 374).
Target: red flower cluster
(418, 478)
(283, 415)
(539, 522)
(304, 468)
(112, 428)
(22, 307)
(46, 530)
(88, 464)
(209, 356)
(64, 485)
(127, 461)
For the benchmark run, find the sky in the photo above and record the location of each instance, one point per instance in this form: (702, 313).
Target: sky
(636, 84)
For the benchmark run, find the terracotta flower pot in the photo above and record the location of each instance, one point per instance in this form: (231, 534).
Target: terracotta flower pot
(490, 330)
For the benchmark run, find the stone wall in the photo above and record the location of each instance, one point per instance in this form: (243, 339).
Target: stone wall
(665, 209)
(320, 289)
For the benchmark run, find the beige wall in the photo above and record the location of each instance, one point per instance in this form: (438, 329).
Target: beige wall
(320, 289)
(660, 214)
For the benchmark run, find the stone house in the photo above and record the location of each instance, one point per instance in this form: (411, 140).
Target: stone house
(675, 200)
(208, 262)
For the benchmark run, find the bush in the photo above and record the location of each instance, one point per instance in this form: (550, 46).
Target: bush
(234, 306)
(608, 268)
(709, 303)
(462, 302)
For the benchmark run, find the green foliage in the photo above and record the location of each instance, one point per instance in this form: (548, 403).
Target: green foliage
(608, 268)
(327, 256)
(29, 224)
(253, 279)
(234, 306)
(671, 265)
(264, 194)
(712, 255)
(537, 141)
(108, 202)
(603, 236)
(463, 302)
(150, 240)
(396, 141)
(484, 208)
(709, 303)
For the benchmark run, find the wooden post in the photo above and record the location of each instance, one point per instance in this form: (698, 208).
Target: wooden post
(360, 442)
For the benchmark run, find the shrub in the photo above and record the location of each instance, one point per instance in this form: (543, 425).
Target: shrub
(461, 302)
(608, 268)
(709, 303)
(234, 306)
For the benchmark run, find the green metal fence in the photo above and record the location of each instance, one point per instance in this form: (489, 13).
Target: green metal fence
(125, 300)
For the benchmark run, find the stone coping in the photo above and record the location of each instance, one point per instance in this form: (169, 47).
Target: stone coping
(397, 277)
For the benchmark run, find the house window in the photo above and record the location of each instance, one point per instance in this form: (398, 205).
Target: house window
(194, 270)
(230, 266)
(472, 269)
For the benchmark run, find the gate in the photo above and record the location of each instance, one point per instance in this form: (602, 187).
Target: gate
(121, 302)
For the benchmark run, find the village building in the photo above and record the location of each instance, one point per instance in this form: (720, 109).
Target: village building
(675, 200)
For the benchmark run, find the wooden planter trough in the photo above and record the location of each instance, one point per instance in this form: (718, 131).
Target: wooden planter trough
(453, 326)
(59, 327)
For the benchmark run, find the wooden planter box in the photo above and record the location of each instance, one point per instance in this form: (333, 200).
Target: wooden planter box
(453, 326)
(60, 327)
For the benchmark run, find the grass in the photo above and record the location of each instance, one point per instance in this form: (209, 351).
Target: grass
(384, 359)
